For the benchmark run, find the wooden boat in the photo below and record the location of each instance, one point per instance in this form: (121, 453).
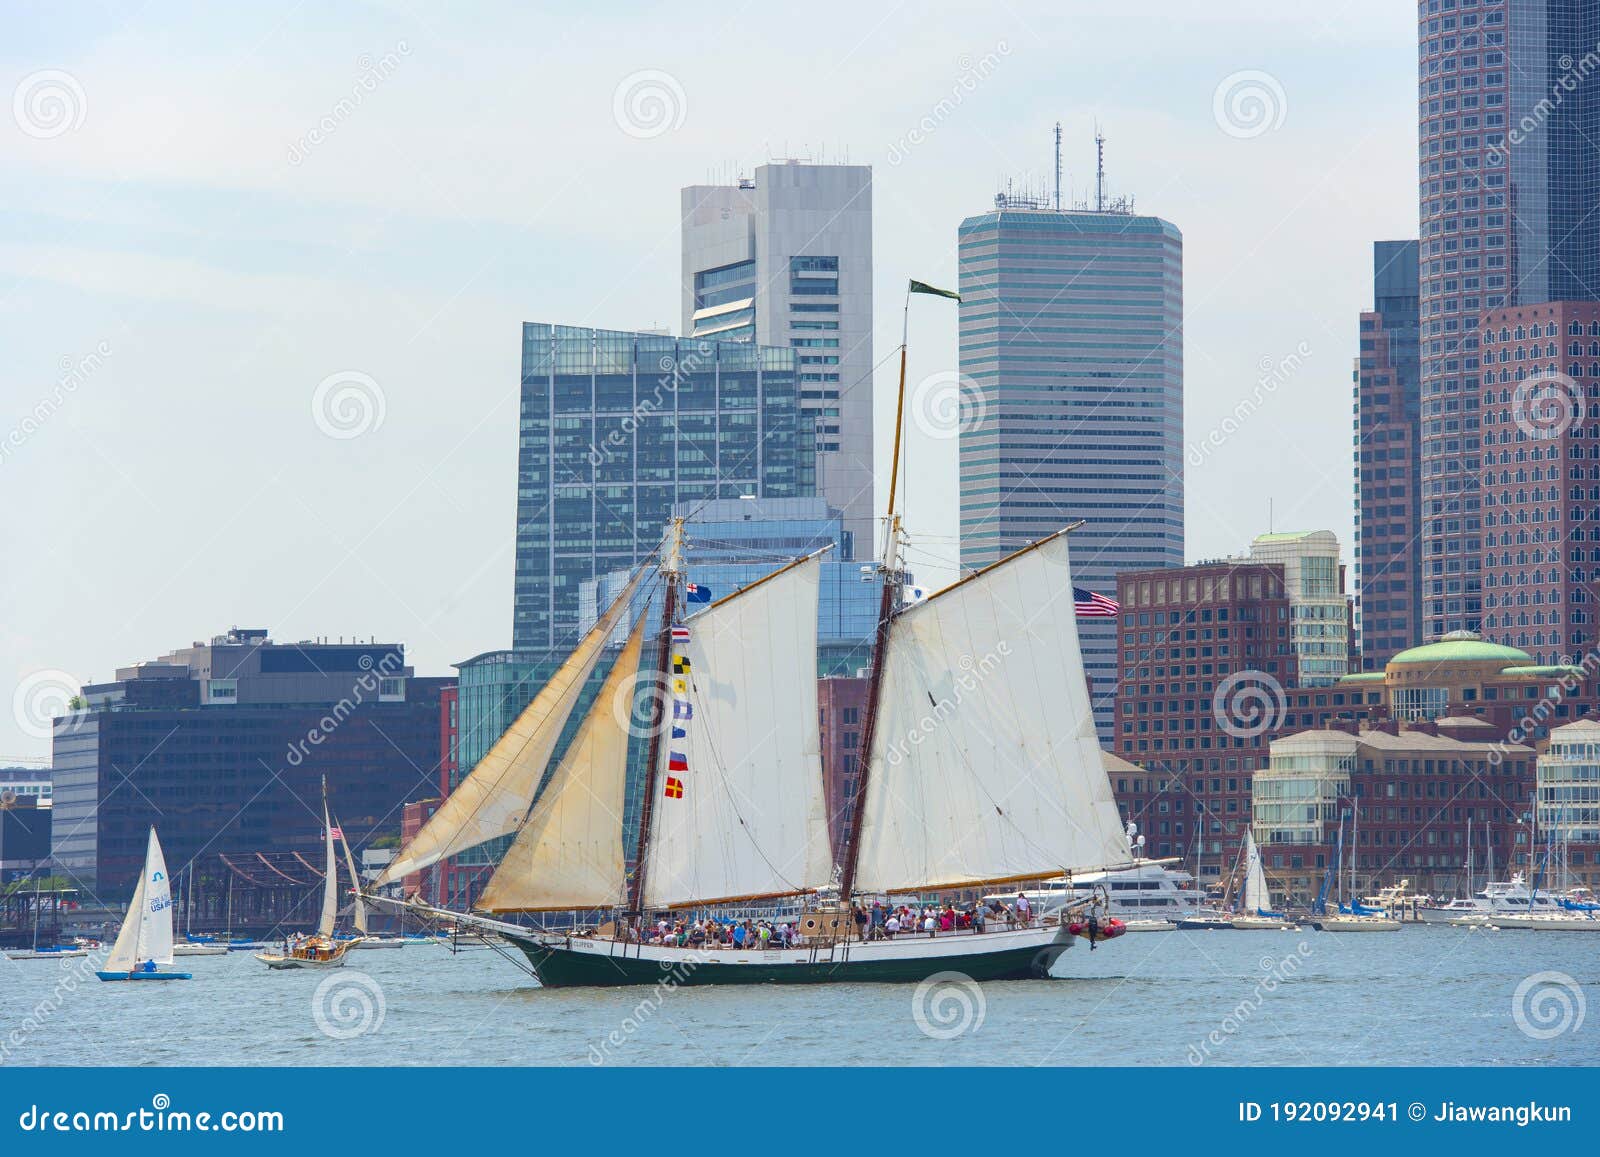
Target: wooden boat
(322, 950)
(144, 942)
(981, 767)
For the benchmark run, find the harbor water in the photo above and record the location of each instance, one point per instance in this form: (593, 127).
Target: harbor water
(1423, 995)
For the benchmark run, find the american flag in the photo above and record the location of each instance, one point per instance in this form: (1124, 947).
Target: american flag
(336, 833)
(1093, 605)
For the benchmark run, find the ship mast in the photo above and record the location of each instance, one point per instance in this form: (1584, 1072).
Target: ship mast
(889, 574)
(671, 573)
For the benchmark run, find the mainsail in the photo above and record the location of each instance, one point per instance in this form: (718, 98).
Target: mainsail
(146, 932)
(494, 798)
(741, 812)
(569, 853)
(330, 878)
(985, 766)
(1257, 898)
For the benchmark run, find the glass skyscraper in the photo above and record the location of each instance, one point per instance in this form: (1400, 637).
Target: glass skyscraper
(1509, 188)
(615, 429)
(1072, 348)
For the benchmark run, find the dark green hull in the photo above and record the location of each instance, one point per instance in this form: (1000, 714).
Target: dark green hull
(559, 967)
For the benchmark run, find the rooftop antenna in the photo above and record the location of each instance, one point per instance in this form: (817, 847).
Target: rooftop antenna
(1099, 170)
(1058, 166)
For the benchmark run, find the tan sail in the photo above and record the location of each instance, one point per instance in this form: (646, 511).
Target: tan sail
(330, 880)
(746, 816)
(985, 763)
(569, 853)
(494, 799)
(355, 882)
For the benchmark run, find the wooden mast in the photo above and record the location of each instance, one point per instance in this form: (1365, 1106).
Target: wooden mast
(880, 641)
(671, 570)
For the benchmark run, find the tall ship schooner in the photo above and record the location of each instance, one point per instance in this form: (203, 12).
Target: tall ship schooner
(982, 768)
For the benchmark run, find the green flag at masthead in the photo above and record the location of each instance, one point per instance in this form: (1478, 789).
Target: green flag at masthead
(924, 287)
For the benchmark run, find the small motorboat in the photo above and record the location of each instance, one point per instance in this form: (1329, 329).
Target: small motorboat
(51, 952)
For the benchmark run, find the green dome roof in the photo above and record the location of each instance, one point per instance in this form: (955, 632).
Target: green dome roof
(1463, 647)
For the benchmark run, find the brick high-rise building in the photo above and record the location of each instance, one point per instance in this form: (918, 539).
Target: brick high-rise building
(1388, 461)
(1540, 477)
(1508, 200)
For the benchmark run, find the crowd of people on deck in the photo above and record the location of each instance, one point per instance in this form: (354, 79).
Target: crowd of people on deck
(877, 921)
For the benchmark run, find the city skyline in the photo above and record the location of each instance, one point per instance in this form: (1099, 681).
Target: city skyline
(257, 250)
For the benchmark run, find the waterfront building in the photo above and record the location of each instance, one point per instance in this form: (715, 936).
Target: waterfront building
(1072, 398)
(1407, 792)
(1388, 461)
(1508, 197)
(1319, 610)
(784, 258)
(25, 782)
(1568, 794)
(225, 743)
(1540, 477)
(615, 429)
(841, 711)
(25, 827)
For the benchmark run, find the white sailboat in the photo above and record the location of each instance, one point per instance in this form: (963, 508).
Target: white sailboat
(145, 940)
(321, 950)
(981, 767)
(363, 939)
(1255, 908)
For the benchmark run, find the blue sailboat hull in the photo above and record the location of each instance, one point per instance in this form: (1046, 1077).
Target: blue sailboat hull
(144, 976)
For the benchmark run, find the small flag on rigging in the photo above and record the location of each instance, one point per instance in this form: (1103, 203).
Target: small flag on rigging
(680, 664)
(679, 733)
(677, 761)
(697, 593)
(682, 709)
(1094, 605)
(680, 634)
(674, 788)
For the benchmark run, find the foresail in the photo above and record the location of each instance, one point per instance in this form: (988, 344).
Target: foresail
(739, 809)
(494, 798)
(355, 883)
(569, 853)
(1256, 896)
(985, 765)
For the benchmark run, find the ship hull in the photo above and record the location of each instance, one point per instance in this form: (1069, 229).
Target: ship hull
(577, 962)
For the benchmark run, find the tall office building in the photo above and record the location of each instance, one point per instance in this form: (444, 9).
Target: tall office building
(1509, 185)
(615, 428)
(1072, 348)
(1388, 461)
(785, 259)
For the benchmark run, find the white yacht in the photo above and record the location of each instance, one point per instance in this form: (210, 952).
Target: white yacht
(1149, 897)
(1501, 897)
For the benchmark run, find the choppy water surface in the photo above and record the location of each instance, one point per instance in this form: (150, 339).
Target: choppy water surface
(1418, 996)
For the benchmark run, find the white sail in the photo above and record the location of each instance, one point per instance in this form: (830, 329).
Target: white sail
(569, 853)
(745, 816)
(985, 765)
(494, 798)
(146, 932)
(1257, 898)
(330, 879)
(355, 882)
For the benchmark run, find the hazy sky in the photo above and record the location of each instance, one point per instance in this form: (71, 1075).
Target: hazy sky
(217, 221)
